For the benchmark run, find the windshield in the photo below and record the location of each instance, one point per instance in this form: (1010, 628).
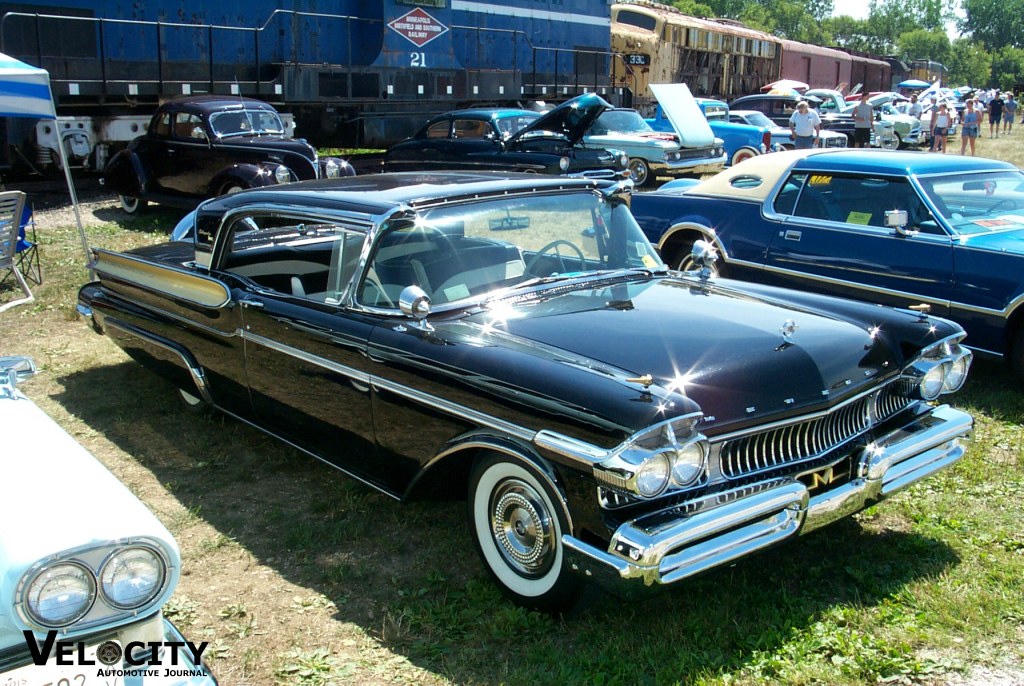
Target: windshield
(620, 121)
(758, 119)
(471, 251)
(514, 123)
(246, 123)
(979, 203)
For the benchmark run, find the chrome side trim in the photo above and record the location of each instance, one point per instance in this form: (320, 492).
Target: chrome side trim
(193, 367)
(298, 354)
(473, 416)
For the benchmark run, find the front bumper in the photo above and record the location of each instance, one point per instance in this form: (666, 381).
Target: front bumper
(723, 527)
(692, 166)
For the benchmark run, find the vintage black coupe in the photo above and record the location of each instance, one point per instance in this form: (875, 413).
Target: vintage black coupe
(202, 146)
(514, 339)
(512, 140)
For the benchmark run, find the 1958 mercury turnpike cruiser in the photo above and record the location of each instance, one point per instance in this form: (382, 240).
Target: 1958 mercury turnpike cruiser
(516, 340)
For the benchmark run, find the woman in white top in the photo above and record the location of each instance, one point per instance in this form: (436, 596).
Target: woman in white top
(940, 128)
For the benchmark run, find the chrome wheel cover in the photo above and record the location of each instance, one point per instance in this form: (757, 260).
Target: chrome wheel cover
(522, 528)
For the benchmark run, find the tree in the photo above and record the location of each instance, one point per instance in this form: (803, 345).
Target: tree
(856, 34)
(969, 63)
(1007, 68)
(693, 8)
(997, 23)
(922, 44)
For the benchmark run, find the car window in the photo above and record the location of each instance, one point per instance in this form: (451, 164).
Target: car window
(475, 249)
(163, 125)
(188, 126)
(854, 199)
(439, 129)
(248, 122)
(514, 124)
(472, 129)
(307, 258)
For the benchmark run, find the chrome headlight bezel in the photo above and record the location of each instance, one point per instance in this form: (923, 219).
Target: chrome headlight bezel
(118, 561)
(332, 169)
(92, 563)
(563, 163)
(939, 369)
(656, 460)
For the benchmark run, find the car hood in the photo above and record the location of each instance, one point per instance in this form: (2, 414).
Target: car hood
(721, 348)
(656, 140)
(1004, 241)
(685, 114)
(49, 466)
(269, 144)
(570, 119)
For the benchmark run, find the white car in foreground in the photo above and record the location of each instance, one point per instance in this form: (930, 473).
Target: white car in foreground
(84, 567)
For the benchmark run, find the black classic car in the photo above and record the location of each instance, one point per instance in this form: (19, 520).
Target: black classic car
(515, 340)
(202, 146)
(511, 140)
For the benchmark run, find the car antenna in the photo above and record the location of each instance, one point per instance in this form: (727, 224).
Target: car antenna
(241, 101)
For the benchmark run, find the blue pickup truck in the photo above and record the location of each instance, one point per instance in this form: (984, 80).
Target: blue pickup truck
(741, 140)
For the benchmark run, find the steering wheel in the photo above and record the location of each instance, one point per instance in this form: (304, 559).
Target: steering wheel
(1009, 202)
(553, 247)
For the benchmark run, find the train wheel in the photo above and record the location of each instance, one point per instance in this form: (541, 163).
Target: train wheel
(640, 171)
(743, 154)
(131, 204)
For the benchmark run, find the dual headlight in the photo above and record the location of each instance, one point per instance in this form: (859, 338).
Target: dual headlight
(61, 593)
(655, 460)
(939, 369)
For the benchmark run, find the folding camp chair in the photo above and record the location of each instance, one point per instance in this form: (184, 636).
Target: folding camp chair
(28, 248)
(12, 206)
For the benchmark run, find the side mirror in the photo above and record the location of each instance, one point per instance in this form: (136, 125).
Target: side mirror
(897, 220)
(415, 304)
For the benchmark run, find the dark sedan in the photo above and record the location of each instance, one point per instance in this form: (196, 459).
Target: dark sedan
(511, 140)
(824, 221)
(515, 340)
(203, 146)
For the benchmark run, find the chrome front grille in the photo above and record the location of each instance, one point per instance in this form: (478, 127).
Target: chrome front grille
(806, 440)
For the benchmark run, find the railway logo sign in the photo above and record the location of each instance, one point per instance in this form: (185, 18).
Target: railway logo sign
(418, 27)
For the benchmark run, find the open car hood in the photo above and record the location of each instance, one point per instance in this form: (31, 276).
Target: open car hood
(685, 114)
(571, 119)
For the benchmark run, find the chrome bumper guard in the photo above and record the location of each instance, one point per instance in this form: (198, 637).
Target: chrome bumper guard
(723, 527)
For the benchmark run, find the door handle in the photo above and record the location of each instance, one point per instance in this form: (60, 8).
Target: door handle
(250, 303)
(791, 235)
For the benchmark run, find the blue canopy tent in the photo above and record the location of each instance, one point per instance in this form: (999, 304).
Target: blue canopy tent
(25, 92)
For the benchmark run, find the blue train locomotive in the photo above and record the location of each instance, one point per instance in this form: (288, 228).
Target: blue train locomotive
(353, 72)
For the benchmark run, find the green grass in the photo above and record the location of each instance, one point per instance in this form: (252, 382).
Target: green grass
(298, 575)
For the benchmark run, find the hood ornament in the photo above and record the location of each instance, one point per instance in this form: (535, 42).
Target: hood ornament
(789, 327)
(646, 380)
(922, 311)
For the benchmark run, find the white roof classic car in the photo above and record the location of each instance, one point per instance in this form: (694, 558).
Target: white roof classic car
(95, 576)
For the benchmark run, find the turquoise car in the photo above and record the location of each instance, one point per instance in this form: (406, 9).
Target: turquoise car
(85, 568)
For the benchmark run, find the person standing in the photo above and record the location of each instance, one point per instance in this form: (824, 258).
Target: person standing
(995, 116)
(1009, 112)
(940, 128)
(863, 120)
(971, 127)
(915, 109)
(804, 126)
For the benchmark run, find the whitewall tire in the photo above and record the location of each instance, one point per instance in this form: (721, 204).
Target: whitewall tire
(517, 521)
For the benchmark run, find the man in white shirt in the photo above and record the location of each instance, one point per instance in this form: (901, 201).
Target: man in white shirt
(804, 126)
(863, 121)
(915, 109)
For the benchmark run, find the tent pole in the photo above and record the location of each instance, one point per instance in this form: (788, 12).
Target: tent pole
(74, 196)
